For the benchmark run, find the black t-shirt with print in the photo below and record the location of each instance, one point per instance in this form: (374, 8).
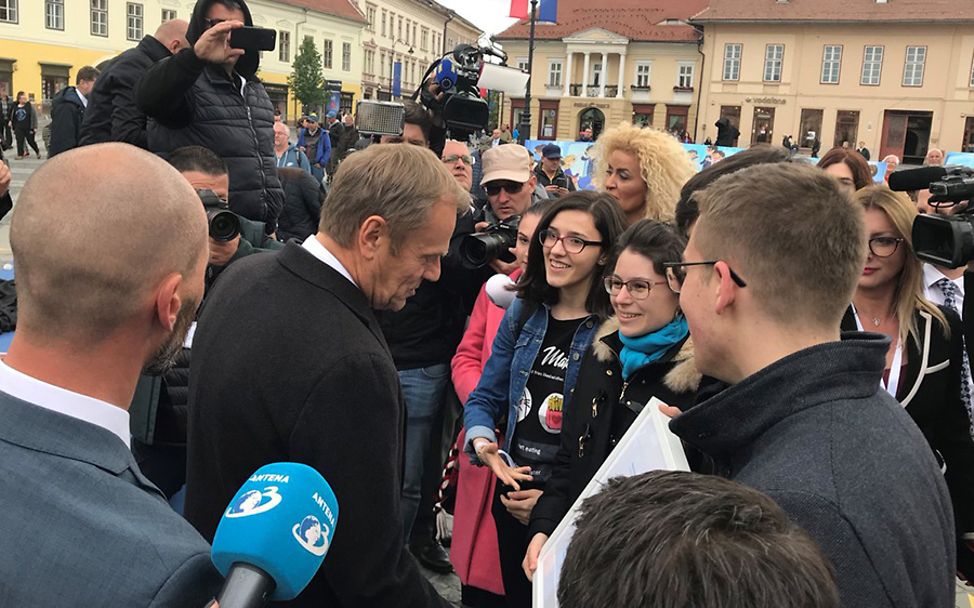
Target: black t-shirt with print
(538, 430)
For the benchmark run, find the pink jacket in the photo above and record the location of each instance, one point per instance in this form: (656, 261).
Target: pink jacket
(473, 550)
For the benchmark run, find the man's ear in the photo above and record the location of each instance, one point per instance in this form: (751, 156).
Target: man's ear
(372, 236)
(726, 287)
(168, 300)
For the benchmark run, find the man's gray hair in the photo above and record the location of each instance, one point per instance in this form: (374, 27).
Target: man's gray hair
(399, 183)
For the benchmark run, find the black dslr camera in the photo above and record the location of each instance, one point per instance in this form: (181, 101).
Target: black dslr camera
(481, 248)
(944, 240)
(224, 224)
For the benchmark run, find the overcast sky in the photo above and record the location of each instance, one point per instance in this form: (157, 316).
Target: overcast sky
(488, 15)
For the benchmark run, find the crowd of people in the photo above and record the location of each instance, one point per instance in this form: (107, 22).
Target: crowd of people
(816, 371)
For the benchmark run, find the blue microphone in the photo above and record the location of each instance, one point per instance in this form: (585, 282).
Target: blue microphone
(274, 535)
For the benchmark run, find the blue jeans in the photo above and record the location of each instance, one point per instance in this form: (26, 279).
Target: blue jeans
(423, 389)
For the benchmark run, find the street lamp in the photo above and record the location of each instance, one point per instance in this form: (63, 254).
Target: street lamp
(392, 65)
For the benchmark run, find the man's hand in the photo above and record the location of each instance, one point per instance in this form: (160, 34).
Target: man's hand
(503, 267)
(553, 189)
(530, 563)
(221, 252)
(520, 504)
(5, 178)
(214, 45)
(669, 411)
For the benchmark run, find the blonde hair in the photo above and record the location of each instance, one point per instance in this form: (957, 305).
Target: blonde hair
(663, 164)
(908, 296)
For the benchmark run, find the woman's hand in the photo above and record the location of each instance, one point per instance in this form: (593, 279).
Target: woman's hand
(530, 563)
(520, 504)
(490, 455)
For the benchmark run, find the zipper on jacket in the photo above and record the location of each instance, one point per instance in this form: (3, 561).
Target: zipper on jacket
(260, 160)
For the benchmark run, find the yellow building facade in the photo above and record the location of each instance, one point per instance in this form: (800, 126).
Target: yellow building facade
(44, 42)
(898, 82)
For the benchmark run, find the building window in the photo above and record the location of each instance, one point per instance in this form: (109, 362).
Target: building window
(437, 46)
(548, 127)
(53, 79)
(133, 29)
(916, 58)
(846, 128)
(596, 74)
(284, 46)
(414, 34)
(326, 57)
(384, 16)
(872, 65)
(773, 55)
(811, 128)
(732, 61)
(168, 14)
(99, 17)
(424, 40)
(522, 64)
(972, 74)
(554, 73)
(684, 78)
(346, 56)
(54, 14)
(643, 72)
(831, 63)
(8, 11)
(399, 28)
(371, 16)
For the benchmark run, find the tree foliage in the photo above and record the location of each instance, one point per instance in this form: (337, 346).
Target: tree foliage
(307, 80)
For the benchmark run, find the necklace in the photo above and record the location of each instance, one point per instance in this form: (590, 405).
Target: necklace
(876, 321)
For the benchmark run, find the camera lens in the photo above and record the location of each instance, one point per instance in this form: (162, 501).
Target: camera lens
(224, 225)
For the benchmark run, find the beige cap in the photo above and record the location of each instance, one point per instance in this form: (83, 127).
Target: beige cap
(511, 162)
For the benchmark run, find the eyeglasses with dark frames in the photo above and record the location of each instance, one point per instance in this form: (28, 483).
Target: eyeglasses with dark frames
(884, 246)
(674, 271)
(572, 244)
(639, 289)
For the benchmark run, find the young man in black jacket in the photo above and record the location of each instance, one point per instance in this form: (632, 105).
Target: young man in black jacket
(804, 418)
(209, 95)
(68, 112)
(112, 113)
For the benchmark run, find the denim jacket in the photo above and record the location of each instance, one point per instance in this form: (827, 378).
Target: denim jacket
(507, 371)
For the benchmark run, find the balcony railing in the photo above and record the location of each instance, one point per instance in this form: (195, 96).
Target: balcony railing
(577, 90)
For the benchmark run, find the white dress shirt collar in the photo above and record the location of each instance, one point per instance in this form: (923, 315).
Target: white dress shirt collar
(313, 246)
(81, 407)
(84, 100)
(931, 276)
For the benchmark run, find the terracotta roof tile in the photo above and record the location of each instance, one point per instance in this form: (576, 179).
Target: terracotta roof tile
(638, 20)
(338, 8)
(947, 11)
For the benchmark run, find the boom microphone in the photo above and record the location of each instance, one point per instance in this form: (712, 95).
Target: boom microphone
(908, 180)
(274, 535)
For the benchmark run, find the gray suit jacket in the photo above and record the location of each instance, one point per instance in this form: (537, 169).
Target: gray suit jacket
(81, 526)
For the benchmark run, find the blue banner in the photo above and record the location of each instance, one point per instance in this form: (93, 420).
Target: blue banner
(548, 12)
(397, 79)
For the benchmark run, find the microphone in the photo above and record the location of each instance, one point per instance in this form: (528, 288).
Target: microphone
(274, 535)
(915, 179)
(499, 292)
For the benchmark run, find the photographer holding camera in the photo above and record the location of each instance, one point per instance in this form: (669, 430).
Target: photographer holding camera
(209, 95)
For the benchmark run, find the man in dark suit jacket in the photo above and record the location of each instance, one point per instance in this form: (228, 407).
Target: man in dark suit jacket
(289, 363)
(80, 523)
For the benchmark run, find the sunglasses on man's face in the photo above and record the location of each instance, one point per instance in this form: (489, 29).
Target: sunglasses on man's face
(494, 188)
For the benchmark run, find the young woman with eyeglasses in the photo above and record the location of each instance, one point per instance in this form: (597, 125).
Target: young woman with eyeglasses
(527, 383)
(926, 355)
(644, 351)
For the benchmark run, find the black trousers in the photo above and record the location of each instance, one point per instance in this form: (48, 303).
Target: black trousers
(28, 136)
(512, 541)
(7, 135)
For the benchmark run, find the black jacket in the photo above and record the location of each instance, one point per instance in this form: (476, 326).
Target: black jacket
(67, 114)
(190, 102)
(816, 433)
(430, 326)
(112, 112)
(603, 404)
(727, 133)
(560, 180)
(302, 204)
(929, 390)
(29, 122)
(289, 364)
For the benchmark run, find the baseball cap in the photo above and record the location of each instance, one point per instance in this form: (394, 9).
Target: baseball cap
(551, 151)
(332, 114)
(510, 162)
(313, 117)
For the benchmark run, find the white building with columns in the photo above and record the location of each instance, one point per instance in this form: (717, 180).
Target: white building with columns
(629, 60)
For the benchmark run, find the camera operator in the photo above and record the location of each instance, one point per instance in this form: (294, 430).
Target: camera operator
(550, 175)
(209, 95)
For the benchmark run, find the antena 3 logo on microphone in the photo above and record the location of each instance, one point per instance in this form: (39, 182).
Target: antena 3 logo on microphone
(282, 520)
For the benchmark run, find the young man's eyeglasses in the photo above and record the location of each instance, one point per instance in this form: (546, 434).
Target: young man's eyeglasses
(494, 188)
(884, 246)
(675, 271)
(572, 244)
(638, 288)
(452, 158)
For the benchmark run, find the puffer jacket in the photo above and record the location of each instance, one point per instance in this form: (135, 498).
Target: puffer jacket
(191, 102)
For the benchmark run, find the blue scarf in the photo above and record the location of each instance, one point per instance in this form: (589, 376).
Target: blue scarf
(641, 351)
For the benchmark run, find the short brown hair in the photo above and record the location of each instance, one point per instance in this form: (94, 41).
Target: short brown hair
(396, 182)
(856, 162)
(788, 230)
(675, 539)
(87, 73)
